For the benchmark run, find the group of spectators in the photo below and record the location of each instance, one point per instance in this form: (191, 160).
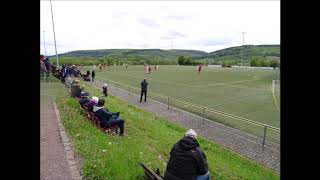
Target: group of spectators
(187, 160)
(86, 77)
(95, 105)
(45, 66)
(73, 71)
(65, 71)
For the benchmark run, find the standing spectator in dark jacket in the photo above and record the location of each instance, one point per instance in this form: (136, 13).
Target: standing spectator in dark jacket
(71, 72)
(108, 118)
(65, 72)
(53, 68)
(93, 74)
(48, 66)
(74, 71)
(144, 88)
(105, 89)
(187, 161)
(79, 73)
(43, 69)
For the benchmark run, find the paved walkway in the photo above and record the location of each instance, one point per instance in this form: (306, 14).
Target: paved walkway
(55, 157)
(246, 144)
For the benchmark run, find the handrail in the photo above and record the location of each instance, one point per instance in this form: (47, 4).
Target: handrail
(207, 108)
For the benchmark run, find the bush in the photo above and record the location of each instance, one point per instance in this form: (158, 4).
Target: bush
(181, 60)
(274, 63)
(254, 62)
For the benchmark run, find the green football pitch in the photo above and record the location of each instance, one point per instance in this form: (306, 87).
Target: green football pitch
(242, 92)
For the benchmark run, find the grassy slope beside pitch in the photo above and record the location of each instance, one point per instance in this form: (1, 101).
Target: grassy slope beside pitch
(148, 139)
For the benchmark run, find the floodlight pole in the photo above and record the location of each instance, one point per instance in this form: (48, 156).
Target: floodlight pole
(44, 43)
(54, 35)
(171, 49)
(243, 33)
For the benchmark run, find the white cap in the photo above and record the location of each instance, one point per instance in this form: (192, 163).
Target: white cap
(95, 99)
(105, 85)
(191, 133)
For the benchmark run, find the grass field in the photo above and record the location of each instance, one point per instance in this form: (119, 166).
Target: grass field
(243, 92)
(148, 139)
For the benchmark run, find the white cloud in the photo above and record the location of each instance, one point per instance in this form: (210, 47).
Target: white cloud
(148, 22)
(198, 25)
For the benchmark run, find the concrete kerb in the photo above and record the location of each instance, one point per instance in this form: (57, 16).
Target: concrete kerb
(67, 146)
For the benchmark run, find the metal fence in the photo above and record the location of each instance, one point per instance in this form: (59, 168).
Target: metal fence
(262, 130)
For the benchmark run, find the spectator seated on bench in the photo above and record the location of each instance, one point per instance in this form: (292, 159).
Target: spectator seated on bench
(86, 78)
(89, 104)
(187, 161)
(84, 94)
(83, 101)
(68, 82)
(108, 119)
(75, 88)
(76, 91)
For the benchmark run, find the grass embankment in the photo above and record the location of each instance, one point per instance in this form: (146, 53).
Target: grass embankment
(148, 139)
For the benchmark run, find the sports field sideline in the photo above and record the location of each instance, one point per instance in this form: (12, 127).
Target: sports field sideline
(242, 92)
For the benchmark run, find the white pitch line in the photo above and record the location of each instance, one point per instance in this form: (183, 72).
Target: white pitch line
(274, 98)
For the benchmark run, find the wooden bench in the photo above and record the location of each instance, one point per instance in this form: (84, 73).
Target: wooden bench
(96, 121)
(151, 175)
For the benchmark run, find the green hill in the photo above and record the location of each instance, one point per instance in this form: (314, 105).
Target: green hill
(269, 52)
(134, 52)
(231, 55)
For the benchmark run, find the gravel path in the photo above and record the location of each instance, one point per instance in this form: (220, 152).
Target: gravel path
(246, 144)
(56, 157)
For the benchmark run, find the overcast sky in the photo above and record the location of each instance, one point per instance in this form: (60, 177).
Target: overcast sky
(197, 25)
